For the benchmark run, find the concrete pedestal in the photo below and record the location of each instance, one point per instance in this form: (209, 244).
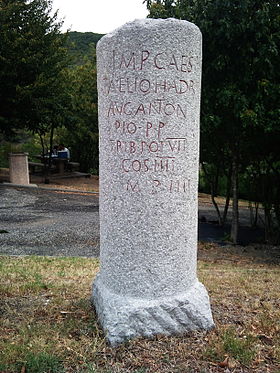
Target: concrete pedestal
(18, 163)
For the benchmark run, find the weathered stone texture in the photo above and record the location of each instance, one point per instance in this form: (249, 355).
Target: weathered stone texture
(149, 74)
(18, 166)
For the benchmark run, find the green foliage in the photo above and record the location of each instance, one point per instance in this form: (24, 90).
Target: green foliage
(5, 149)
(43, 363)
(24, 141)
(242, 349)
(240, 87)
(82, 135)
(80, 45)
(32, 62)
(32, 147)
(39, 93)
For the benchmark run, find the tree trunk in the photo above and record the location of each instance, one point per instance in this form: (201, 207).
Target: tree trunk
(213, 186)
(42, 144)
(268, 225)
(49, 163)
(217, 208)
(254, 208)
(229, 184)
(45, 171)
(234, 223)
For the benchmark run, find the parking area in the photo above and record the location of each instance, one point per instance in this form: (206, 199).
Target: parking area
(43, 221)
(46, 222)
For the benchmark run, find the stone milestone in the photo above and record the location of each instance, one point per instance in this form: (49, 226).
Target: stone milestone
(149, 74)
(18, 166)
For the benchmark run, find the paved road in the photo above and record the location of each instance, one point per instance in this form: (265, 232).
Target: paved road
(45, 222)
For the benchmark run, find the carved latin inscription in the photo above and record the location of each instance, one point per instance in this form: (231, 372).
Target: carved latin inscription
(145, 60)
(140, 130)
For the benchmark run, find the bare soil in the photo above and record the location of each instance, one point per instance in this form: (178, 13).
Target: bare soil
(68, 182)
(90, 184)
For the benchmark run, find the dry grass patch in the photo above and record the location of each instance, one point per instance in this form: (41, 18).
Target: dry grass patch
(205, 199)
(77, 183)
(48, 324)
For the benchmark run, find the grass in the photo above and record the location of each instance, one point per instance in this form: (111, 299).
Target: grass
(43, 362)
(48, 324)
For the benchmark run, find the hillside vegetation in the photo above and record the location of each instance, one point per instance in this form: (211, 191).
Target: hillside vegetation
(80, 44)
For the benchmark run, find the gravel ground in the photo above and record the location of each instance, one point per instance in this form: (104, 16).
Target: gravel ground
(43, 222)
(63, 223)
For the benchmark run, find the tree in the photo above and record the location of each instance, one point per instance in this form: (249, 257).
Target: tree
(32, 60)
(82, 134)
(80, 44)
(240, 52)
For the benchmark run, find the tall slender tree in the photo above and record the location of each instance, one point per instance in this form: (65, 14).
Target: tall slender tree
(32, 60)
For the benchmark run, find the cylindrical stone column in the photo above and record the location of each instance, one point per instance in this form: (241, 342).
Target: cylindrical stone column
(149, 77)
(18, 165)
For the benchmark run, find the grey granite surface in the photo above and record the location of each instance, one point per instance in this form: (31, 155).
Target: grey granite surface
(149, 77)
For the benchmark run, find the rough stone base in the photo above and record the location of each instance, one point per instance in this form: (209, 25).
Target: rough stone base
(123, 318)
